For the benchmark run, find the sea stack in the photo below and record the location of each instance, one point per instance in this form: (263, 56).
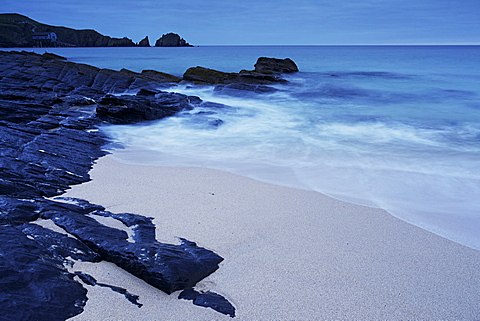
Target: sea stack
(144, 42)
(171, 40)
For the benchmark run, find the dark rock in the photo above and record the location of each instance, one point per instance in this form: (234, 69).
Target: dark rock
(89, 92)
(60, 246)
(16, 211)
(52, 78)
(260, 78)
(201, 75)
(266, 73)
(147, 92)
(195, 100)
(265, 64)
(49, 141)
(165, 266)
(34, 285)
(90, 280)
(209, 76)
(209, 300)
(171, 40)
(131, 109)
(144, 42)
(161, 76)
(143, 227)
(53, 56)
(43, 157)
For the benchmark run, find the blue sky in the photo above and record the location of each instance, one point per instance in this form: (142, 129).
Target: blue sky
(265, 22)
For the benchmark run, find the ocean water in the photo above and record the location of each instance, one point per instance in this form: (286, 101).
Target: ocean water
(395, 127)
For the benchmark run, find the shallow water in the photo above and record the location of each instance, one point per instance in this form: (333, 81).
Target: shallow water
(393, 127)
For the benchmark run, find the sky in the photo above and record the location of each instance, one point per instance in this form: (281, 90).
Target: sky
(266, 22)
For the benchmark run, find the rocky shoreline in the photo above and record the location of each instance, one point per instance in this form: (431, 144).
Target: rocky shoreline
(49, 112)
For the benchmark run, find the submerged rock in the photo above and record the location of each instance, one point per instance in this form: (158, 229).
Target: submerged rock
(240, 90)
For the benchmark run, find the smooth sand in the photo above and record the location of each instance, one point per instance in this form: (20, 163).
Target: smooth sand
(289, 254)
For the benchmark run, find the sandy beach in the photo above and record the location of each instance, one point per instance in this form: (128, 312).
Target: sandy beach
(289, 254)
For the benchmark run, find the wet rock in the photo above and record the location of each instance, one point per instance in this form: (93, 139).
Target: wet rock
(208, 76)
(265, 64)
(60, 246)
(267, 71)
(49, 141)
(34, 285)
(16, 211)
(201, 75)
(209, 300)
(90, 280)
(55, 77)
(167, 267)
(143, 227)
(160, 76)
(127, 109)
(260, 78)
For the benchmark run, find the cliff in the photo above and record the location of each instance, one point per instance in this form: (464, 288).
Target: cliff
(20, 31)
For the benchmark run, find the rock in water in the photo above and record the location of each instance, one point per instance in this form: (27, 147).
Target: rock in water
(144, 42)
(265, 64)
(266, 72)
(128, 109)
(209, 76)
(201, 75)
(171, 40)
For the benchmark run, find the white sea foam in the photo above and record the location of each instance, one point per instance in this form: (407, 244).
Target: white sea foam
(418, 174)
(393, 127)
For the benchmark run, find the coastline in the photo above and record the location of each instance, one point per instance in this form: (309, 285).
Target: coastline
(289, 254)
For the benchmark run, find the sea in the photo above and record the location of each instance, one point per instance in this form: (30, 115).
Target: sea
(393, 127)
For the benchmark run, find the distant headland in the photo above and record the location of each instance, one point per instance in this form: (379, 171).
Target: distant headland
(19, 31)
